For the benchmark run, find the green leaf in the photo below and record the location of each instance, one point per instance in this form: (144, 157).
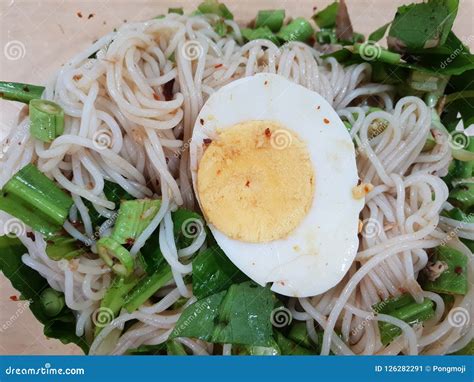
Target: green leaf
(239, 316)
(454, 279)
(30, 284)
(288, 347)
(466, 350)
(214, 272)
(423, 25)
(378, 34)
(327, 17)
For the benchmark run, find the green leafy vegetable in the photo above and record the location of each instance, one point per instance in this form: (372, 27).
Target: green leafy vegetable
(421, 26)
(31, 284)
(173, 347)
(462, 196)
(36, 200)
(213, 272)
(404, 308)
(453, 279)
(240, 315)
(378, 34)
(288, 347)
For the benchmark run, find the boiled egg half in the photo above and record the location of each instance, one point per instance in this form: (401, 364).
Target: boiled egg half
(273, 169)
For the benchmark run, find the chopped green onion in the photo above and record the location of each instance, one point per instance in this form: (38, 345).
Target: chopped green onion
(132, 219)
(327, 17)
(173, 347)
(179, 10)
(259, 33)
(146, 288)
(46, 120)
(216, 8)
(15, 91)
(36, 200)
(64, 247)
(114, 298)
(404, 308)
(453, 276)
(273, 19)
(462, 196)
(115, 256)
(297, 30)
(52, 302)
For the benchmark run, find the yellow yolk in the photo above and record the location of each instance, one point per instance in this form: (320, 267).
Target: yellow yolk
(256, 181)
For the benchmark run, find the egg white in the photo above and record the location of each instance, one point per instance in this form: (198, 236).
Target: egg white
(318, 253)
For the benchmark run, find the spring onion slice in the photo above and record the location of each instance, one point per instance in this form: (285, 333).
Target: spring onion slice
(259, 33)
(47, 120)
(133, 217)
(297, 30)
(115, 256)
(15, 91)
(36, 200)
(273, 19)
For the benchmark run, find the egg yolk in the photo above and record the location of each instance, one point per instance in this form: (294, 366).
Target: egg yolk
(256, 181)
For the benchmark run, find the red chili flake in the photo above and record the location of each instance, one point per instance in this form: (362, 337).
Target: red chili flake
(77, 77)
(247, 184)
(30, 235)
(326, 121)
(218, 66)
(201, 121)
(156, 96)
(268, 133)
(91, 15)
(14, 298)
(207, 141)
(458, 270)
(129, 241)
(79, 14)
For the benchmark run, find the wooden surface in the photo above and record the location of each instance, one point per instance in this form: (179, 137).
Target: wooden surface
(50, 31)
